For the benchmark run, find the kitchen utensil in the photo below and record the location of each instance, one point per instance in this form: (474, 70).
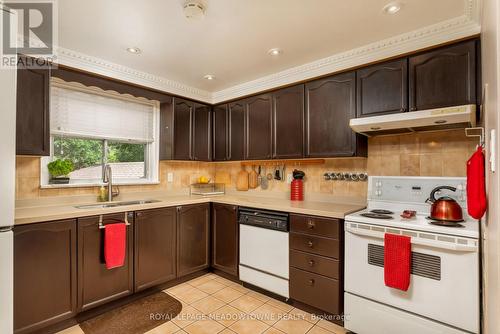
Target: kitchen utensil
(253, 179)
(264, 181)
(277, 175)
(283, 175)
(476, 192)
(242, 180)
(269, 176)
(444, 208)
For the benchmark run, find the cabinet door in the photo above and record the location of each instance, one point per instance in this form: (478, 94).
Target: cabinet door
(193, 230)
(330, 104)
(225, 239)
(183, 124)
(237, 130)
(44, 274)
(155, 247)
(258, 127)
(444, 77)
(33, 121)
(96, 284)
(288, 122)
(382, 88)
(220, 133)
(202, 136)
(166, 130)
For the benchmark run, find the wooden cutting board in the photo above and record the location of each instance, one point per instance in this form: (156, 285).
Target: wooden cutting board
(242, 180)
(253, 179)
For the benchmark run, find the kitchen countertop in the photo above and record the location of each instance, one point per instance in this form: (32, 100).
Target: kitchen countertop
(57, 210)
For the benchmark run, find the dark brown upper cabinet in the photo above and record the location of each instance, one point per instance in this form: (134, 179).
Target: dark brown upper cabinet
(98, 285)
(330, 104)
(33, 109)
(225, 238)
(259, 112)
(183, 129)
(193, 238)
(288, 123)
(444, 77)
(382, 88)
(202, 136)
(220, 133)
(44, 274)
(155, 247)
(236, 130)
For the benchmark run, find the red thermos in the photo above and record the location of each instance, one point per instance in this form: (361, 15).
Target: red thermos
(297, 186)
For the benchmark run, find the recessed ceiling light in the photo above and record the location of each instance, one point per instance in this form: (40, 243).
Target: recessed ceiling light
(392, 8)
(209, 77)
(134, 50)
(275, 51)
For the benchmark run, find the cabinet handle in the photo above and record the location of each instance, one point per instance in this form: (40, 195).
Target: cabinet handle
(139, 214)
(402, 109)
(311, 263)
(311, 224)
(310, 244)
(179, 208)
(413, 108)
(311, 282)
(234, 208)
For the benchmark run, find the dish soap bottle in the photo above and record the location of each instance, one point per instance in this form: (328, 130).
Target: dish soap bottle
(102, 194)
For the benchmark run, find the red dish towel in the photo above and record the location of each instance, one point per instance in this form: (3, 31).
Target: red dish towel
(476, 188)
(115, 236)
(397, 261)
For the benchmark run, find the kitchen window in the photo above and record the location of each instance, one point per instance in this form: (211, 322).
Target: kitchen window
(91, 127)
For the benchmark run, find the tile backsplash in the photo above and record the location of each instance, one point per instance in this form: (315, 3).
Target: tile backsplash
(440, 153)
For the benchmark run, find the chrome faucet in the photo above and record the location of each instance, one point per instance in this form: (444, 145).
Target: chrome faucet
(108, 178)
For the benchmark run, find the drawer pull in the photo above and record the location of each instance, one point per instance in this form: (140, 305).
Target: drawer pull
(311, 282)
(310, 244)
(311, 263)
(311, 224)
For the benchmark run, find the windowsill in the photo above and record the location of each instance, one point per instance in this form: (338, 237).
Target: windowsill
(97, 184)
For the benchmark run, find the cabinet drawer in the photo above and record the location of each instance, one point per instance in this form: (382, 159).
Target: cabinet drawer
(315, 290)
(323, 227)
(315, 263)
(315, 245)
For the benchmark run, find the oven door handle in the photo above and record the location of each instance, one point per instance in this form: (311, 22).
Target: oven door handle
(416, 241)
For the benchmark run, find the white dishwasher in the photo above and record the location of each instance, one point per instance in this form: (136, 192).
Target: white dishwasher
(264, 249)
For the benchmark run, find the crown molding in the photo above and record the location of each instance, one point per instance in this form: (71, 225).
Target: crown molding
(102, 67)
(442, 32)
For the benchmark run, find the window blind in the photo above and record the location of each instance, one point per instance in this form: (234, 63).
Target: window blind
(76, 112)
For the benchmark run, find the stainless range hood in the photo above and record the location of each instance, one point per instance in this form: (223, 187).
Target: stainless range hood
(422, 120)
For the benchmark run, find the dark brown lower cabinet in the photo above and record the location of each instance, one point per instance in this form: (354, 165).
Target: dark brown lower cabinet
(44, 274)
(317, 262)
(155, 246)
(225, 238)
(193, 238)
(96, 284)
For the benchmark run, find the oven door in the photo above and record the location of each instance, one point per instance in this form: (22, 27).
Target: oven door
(444, 284)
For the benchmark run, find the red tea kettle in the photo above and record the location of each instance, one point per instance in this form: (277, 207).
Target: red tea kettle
(444, 208)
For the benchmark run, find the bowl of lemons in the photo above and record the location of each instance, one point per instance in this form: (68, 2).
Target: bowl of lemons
(203, 180)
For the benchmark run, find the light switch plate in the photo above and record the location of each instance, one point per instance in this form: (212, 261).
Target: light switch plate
(170, 177)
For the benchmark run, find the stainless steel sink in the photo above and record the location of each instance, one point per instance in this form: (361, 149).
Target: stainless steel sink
(115, 204)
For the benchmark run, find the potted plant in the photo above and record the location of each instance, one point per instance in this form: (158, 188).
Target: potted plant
(59, 171)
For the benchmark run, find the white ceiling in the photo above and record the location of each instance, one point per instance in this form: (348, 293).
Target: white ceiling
(232, 40)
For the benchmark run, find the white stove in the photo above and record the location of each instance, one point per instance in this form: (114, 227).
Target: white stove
(444, 286)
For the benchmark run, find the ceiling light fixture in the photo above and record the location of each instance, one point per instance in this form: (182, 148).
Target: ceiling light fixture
(275, 52)
(392, 8)
(134, 50)
(209, 77)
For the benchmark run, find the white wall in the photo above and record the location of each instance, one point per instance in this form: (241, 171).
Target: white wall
(490, 39)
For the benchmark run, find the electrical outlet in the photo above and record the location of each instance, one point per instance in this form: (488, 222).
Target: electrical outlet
(289, 178)
(170, 177)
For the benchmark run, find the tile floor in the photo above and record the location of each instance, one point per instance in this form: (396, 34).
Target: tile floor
(212, 304)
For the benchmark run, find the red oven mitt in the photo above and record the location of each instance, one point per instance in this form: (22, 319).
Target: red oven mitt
(476, 188)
